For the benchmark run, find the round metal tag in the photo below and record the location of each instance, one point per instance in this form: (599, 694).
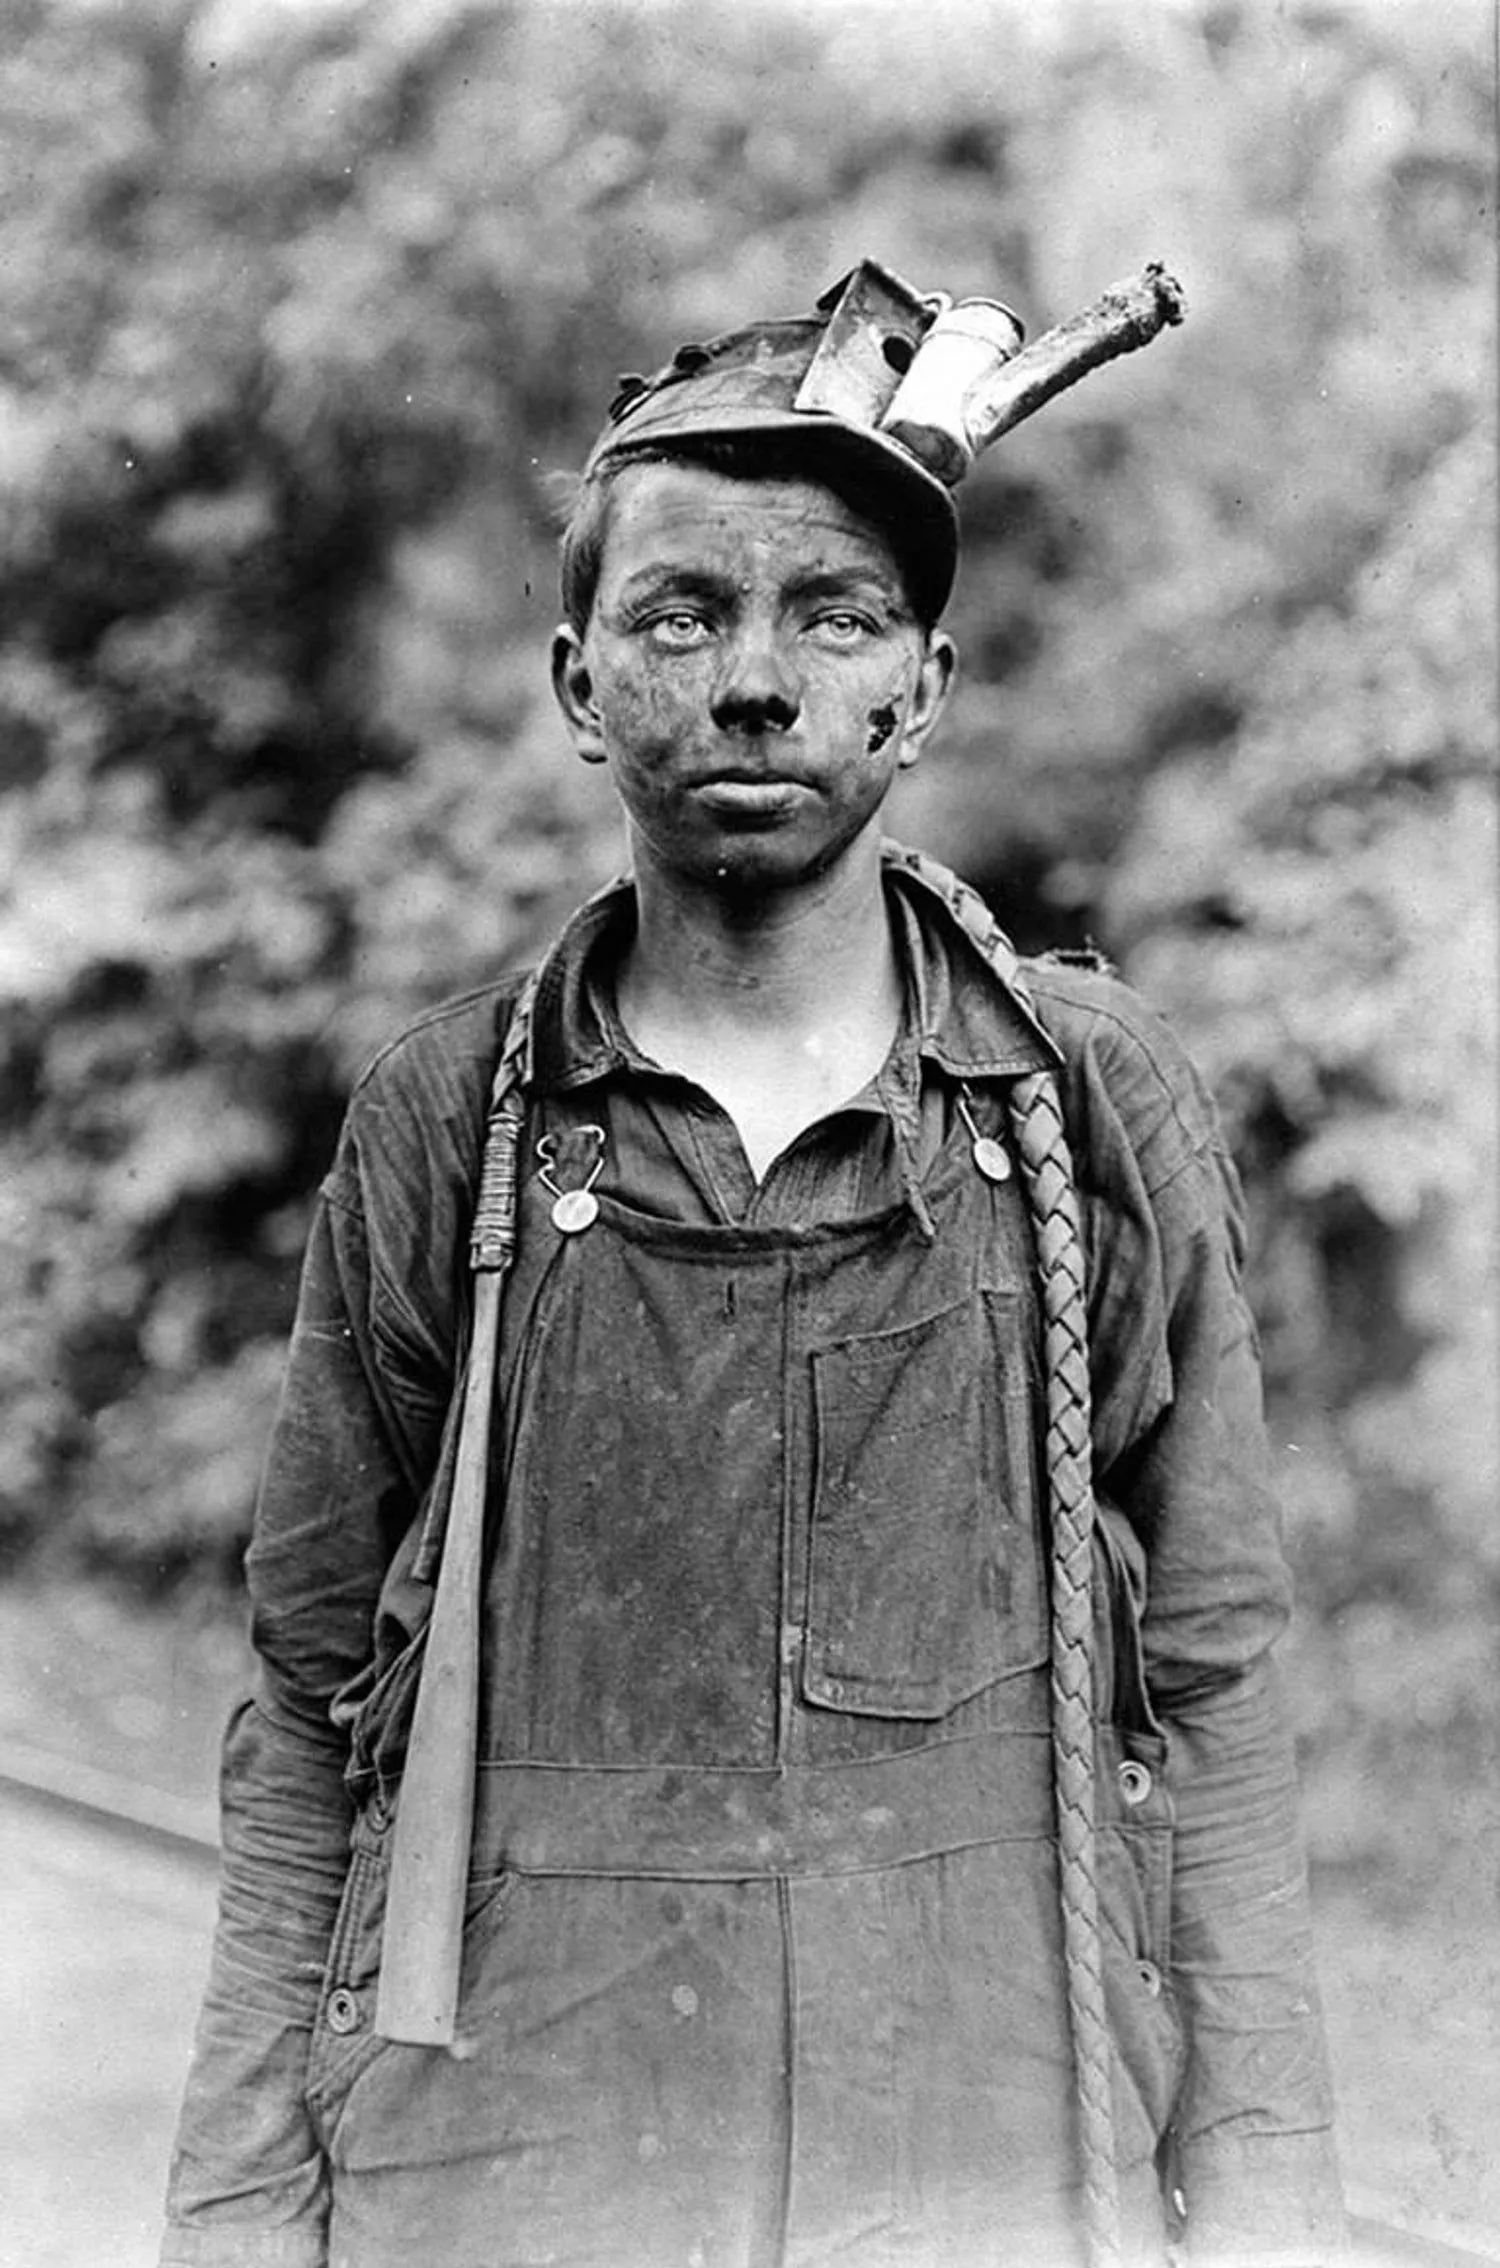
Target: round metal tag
(992, 1158)
(575, 1210)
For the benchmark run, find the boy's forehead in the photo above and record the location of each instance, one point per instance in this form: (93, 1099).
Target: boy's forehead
(680, 513)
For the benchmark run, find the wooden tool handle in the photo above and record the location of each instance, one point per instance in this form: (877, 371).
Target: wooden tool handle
(1127, 316)
(417, 1998)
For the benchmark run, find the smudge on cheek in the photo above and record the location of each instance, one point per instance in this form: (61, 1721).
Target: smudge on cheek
(645, 714)
(883, 722)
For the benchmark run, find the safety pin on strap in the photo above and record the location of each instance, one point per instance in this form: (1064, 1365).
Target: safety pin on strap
(574, 1209)
(989, 1154)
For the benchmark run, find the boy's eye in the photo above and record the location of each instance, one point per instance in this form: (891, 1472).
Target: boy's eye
(840, 626)
(678, 627)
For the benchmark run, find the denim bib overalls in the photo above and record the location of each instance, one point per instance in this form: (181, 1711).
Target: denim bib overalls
(762, 1963)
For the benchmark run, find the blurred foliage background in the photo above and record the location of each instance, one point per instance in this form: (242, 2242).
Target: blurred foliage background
(308, 307)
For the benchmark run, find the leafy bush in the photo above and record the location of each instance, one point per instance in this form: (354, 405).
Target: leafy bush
(1318, 908)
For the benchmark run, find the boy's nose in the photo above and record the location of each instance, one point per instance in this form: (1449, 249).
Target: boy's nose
(756, 691)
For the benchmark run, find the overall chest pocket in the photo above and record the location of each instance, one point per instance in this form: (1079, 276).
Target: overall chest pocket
(925, 1575)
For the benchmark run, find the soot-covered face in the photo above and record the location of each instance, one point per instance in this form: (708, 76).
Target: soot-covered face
(752, 672)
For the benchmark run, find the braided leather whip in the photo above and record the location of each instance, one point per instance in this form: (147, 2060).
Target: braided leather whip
(1047, 1170)
(1041, 1144)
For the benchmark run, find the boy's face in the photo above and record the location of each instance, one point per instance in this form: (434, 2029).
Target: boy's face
(752, 673)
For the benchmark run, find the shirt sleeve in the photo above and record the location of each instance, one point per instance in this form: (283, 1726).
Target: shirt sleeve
(247, 2186)
(1252, 2151)
(354, 1451)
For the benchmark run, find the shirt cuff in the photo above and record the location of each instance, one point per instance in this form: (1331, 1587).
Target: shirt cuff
(301, 2247)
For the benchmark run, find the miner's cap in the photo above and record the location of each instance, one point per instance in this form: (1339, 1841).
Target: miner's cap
(894, 390)
(832, 385)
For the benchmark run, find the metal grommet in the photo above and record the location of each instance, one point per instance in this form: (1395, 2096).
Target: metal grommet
(1150, 1976)
(343, 2010)
(1135, 1781)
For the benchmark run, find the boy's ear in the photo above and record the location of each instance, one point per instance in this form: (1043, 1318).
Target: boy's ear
(929, 695)
(573, 687)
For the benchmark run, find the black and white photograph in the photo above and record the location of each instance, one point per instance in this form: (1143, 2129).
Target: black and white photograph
(749, 1082)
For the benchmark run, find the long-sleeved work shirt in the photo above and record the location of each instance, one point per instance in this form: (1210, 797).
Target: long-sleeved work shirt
(762, 1961)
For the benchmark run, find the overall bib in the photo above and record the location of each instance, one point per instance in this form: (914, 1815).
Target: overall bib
(763, 1958)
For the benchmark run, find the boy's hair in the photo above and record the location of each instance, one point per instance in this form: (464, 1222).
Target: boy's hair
(742, 457)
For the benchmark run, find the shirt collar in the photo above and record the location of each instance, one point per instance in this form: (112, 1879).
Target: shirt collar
(964, 1013)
